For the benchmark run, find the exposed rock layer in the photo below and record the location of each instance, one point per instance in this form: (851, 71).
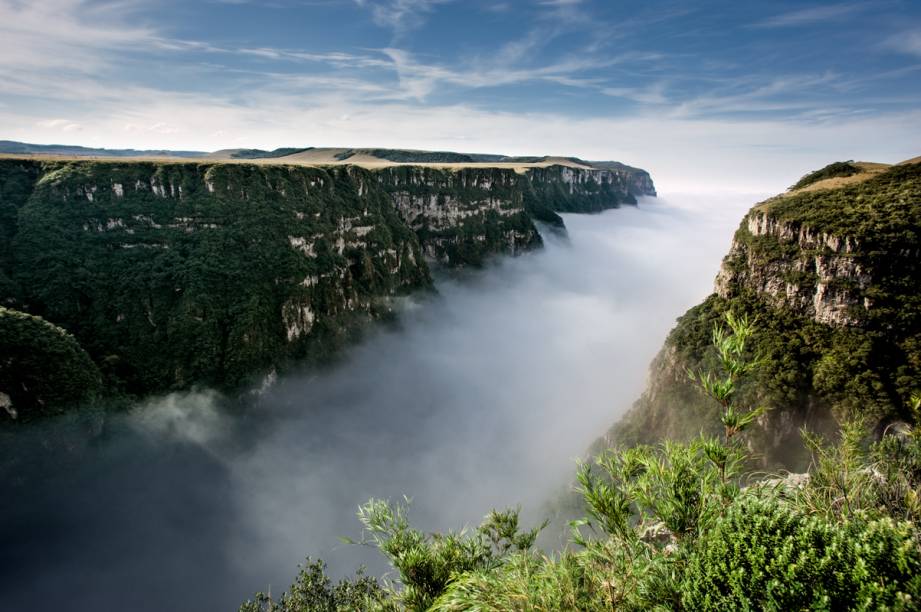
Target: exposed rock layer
(833, 281)
(178, 273)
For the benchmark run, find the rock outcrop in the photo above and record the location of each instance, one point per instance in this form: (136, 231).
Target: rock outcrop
(819, 275)
(832, 277)
(177, 273)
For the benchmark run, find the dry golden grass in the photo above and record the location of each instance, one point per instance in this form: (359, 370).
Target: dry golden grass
(313, 157)
(870, 169)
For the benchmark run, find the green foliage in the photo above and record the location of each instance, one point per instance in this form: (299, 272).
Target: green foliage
(17, 179)
(482, 230)
(526, 582)
(193, 275)
(260, 154)
(672, 526)
(182, 273)
(313, 591)
(809, 373)
(765, 555)
(429, 157)
(43, 369)
(549, 190)
(427, 563)
(730, 349)
(830, 171)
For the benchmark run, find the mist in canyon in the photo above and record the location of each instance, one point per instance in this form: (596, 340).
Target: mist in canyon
(479, 397)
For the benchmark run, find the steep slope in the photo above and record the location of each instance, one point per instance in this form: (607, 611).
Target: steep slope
(832, 275)
(177, 273)
(631, 182)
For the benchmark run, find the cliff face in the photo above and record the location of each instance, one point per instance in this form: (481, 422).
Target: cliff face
(461, 216)
(636, 181)
(175, 274)
(832, 276)
(820, 275)
(171, 274)
(572, 189)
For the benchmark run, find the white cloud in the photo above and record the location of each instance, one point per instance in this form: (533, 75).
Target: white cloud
(908, 42)
(383, 98)
(814, 14)
(651, 94)
(71, 35)
(64, 125)
(400, 15)
(682, 153)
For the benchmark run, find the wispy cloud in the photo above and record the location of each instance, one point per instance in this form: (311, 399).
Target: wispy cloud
(400, 15)
(546, 76)
(794, 95)
(73, 35)
(64, 125)
(651, 94)
(813, 15)
(908, 42)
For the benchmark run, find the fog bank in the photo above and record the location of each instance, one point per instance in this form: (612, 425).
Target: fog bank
(479, 397)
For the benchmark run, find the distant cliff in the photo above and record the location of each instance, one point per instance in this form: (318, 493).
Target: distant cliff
(176, 273)
(833, 275)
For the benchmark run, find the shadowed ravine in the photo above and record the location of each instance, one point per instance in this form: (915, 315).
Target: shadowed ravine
(476, 398)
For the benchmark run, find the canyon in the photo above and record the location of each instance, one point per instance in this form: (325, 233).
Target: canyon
(174, 273)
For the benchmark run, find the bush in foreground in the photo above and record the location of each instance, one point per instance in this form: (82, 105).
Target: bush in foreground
(674, 527)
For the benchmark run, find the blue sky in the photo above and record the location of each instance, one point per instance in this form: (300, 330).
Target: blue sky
(746, 95)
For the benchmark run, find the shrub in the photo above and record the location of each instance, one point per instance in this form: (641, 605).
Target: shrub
(428, 563)
(830, 171)
(313, 591)
(764, 554)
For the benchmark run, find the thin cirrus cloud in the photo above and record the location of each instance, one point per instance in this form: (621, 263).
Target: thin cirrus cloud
(908, 42)
(400, 15)
(818, 14)
(678, 89)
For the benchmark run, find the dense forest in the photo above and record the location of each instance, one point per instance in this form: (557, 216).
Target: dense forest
(171, 274)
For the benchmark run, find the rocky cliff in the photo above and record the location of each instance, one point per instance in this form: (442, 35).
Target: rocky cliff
(831, 274)
(176, 273)
(182, 273)
(462, 216)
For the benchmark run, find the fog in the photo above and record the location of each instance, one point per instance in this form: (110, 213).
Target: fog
(481, 396)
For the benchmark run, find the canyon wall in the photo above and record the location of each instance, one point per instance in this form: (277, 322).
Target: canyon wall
(832, 279)
(173, 274)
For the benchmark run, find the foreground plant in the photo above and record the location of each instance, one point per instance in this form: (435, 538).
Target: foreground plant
(673, 527)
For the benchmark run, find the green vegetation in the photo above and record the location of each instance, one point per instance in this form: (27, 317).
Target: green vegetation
(875, 212)
(171, 275)
(314, 591)
(18, 181)
(768, 555)
(685, 526)
(261, 154)
(428, 157)
(174, 274)
(549, 188)
(830, 171)
(812, 374)
(42, 367)
(486, 204)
